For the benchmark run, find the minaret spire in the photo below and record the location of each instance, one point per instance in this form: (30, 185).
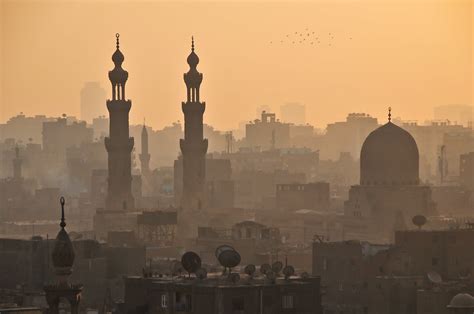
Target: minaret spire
(389, 114)
(63, 220)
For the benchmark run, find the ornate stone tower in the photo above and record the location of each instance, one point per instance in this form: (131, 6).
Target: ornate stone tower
(63, 260)
(119, 145)
(145, 155)
(193, 146)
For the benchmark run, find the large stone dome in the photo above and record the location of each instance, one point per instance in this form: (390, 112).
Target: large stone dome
(389, 156)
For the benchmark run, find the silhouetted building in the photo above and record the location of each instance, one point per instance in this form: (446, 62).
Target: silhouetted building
(119, 145)
(92, 100)
(217, 294)
(389, 194)
(267, 133)
(466, 170)
(459, 114)
(294, 196)
(193, 146)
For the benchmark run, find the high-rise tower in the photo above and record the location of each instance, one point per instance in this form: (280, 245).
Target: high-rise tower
(194, 145)
(145, 155)
(119, 145)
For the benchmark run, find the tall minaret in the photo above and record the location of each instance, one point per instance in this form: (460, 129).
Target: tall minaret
(17, 165)
(193, 146)
(145, 155)
(119, 145)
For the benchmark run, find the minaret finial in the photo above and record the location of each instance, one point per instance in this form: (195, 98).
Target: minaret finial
(63, 220)
(144, 122)
(118, 43)
(192, 43)
(389, 114)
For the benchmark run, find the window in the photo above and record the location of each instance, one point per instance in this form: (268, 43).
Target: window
(164, 301)
(183, 302)
(288, 302)
(238, 305)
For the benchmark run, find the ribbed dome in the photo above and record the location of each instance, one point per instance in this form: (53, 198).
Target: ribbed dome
(462, 301)
(389, 156)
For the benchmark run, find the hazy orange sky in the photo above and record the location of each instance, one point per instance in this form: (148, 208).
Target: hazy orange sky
(410, 54)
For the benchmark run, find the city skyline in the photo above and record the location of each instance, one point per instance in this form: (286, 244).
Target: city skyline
(369, 62)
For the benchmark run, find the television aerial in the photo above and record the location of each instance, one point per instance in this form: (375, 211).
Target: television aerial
(271, 276)
(234, 277)
(304, 275)
(191, 262)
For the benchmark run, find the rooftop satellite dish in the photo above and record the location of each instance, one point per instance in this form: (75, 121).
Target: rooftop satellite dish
(288, 271)
(191, 262)
(434, 277)
(201, 273)
(277, 267)
(265, 268)
(304, 275)
(234, 277)
(250, 269)
(419, 221)
(271, 275)
(223, 248)
(229, 258)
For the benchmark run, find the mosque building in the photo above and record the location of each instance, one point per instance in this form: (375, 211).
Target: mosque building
(390, 192)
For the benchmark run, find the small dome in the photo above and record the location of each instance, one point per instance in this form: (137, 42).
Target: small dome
(118, 57)
(193, 59)
(63, 251)
(462, 301)
(389, 156)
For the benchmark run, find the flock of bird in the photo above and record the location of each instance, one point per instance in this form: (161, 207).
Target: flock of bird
(306, 37)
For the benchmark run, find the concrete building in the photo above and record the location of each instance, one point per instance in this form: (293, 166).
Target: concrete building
(466, 170)
(267, 133)
(293, 113)
(296, 196)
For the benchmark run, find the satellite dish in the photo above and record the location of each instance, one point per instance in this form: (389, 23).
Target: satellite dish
(234, 277)
(271, 275)
(419, 221)
(250, 269)
(265, 268)
(223, 248)
(201, 273)
(229, 258)
(288, 271)
(304, 275)
(277, 267)
(434, 277)
(191, 262)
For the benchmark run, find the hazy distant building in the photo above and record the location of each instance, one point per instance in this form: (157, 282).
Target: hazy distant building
(59, 135)
(267, 133)
(293, 113)
(119, 145)
(92, 100)
(459, 114)
(194, 145)
(294, 196)
(389, 194)
(456, 144)
(347, 136)
(144, 155)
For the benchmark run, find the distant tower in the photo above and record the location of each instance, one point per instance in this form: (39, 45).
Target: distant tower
(17, 165)
(145, 155)
(63, 260)
(92, 98)
(119, 145)
(193, 146)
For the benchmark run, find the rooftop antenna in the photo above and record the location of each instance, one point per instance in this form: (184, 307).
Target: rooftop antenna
(191, 262)
(228, 257)
(419, 221)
